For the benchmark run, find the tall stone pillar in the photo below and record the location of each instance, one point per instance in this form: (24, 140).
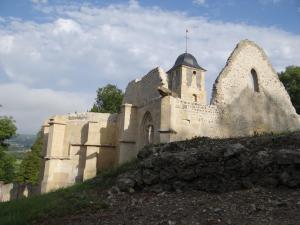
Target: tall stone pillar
(92, 150)
(128, 133)
(45, 133)
(55, 146)
(54, 175)
(166, 131)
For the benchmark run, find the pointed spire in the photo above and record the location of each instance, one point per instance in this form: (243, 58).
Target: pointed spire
(186, 40)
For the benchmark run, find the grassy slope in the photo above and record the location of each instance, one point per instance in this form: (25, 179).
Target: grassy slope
(61, 202)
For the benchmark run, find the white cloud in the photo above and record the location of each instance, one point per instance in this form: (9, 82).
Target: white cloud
(86, 47)
(31, 107)
(199, 2)
(39, 1)
(66, 26)
(270, 1)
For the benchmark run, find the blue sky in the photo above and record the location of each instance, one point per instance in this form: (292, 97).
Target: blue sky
(54, 54)
(284, 14)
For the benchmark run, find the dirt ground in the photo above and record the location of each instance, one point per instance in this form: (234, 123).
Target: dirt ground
(256, 206)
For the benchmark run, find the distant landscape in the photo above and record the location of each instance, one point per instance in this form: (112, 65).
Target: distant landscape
(19, 145)
(21, 142)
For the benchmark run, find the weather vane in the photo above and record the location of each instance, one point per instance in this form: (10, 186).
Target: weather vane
(186, 39)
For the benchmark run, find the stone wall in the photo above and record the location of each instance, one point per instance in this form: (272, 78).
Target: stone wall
(133, 125)
(140, 92)
(191, 119)
(13, 191)
(141, 100)
(77, 146)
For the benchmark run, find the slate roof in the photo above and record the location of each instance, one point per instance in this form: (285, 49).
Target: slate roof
(186, 59)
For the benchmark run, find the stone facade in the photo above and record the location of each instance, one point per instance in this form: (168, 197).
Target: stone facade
(161, 107)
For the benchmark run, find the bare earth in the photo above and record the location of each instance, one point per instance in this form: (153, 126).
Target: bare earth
(257, 206)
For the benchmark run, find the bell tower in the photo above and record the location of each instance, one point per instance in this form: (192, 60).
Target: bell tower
(187, 79)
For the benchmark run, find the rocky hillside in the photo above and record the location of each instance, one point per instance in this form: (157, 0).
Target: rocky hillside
(217, 165)
(254, 181)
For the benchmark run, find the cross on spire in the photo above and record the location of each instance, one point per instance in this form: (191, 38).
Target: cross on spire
(186, 40)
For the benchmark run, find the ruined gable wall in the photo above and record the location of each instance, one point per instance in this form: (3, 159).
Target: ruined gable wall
(245, 111)
(140, 91)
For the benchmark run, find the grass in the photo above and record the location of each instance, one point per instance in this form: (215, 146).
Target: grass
(61, 202)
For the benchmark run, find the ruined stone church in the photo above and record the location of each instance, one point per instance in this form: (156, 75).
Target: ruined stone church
(161, 107)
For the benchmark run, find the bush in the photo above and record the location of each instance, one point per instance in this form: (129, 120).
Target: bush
(7, 130)
(291, 81)
(108, 100)
(30, 167)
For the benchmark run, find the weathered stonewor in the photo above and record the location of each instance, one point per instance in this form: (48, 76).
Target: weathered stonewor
(217, 165)
(162, 107)
(13, 191)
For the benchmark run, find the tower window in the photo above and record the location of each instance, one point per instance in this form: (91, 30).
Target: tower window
(194, 72)
(254, 80)
(195, 97)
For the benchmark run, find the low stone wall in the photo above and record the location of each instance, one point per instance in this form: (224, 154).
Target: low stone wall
(13, 191)
(218, 165)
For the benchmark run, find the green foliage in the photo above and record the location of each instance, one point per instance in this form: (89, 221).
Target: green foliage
(30, 166)
(20, 142)
(54, 204)
(108, 100)
(291, 80)
(7, 169)
(7, 128)
(78, 198)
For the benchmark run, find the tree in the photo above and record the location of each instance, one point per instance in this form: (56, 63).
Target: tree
(30, 167)
(291, 80)
(7, 130)
(7, 168)
(108, 100)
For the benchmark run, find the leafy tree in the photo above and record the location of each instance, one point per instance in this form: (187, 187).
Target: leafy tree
(7, 169)
(108, 100)
(291, 80)
(7, 130)
(30, 167)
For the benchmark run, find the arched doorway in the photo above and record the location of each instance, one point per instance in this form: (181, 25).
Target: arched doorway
(147, 129)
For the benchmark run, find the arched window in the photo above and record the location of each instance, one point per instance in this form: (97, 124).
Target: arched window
(149, 134)
(147, 129)
(195, 97)
(254, 80)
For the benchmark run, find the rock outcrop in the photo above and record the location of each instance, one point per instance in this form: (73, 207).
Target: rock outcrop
(217, 165)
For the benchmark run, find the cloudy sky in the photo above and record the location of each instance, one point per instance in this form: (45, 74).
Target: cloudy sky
(54, 54)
